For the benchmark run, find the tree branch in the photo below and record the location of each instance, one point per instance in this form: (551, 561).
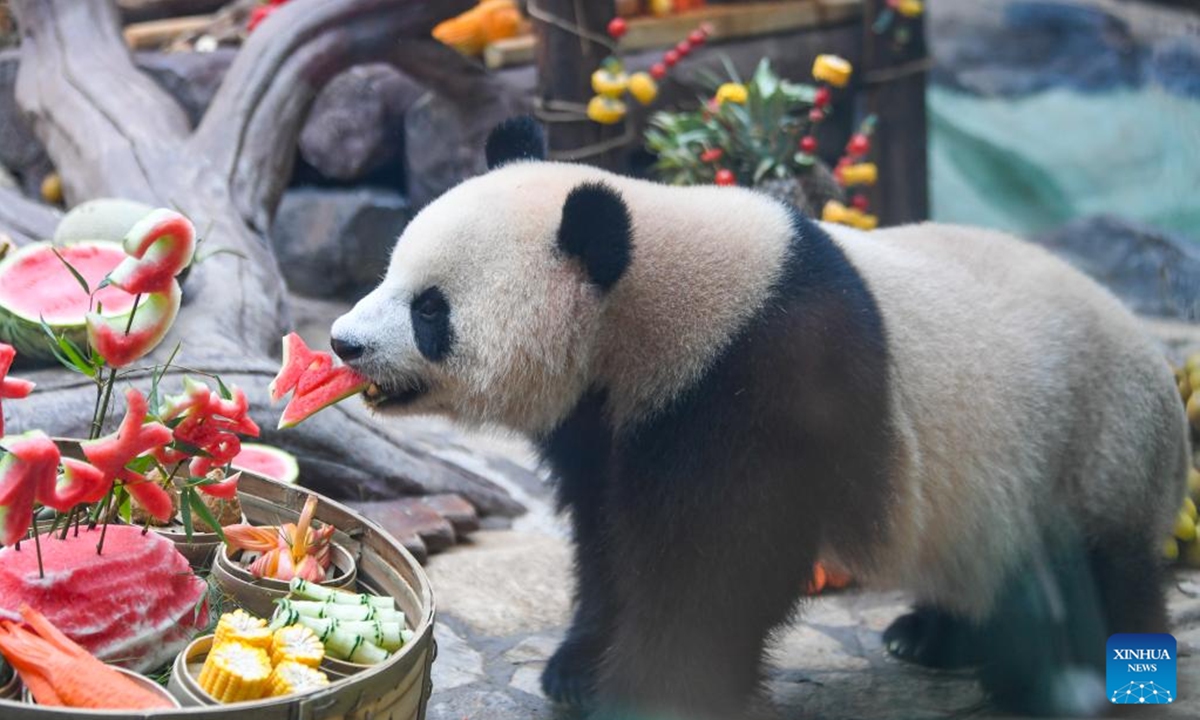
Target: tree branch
(250, 130)
(101, 128)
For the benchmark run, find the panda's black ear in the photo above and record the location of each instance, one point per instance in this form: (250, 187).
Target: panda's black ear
(597, 229)
(517, 138)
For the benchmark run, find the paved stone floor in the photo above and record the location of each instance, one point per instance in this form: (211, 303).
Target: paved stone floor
(503, 604)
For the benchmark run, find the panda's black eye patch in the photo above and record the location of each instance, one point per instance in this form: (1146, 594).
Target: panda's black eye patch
(431, 324)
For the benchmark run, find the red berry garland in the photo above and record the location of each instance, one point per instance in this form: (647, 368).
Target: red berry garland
(658, 71)
(670, 57)
(822, 97)
(808, 144)
(683, 48)
(725, 177)
(617, 27)
(859, 145)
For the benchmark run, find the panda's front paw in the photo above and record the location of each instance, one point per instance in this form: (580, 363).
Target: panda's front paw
(931, 638)
(570, 674)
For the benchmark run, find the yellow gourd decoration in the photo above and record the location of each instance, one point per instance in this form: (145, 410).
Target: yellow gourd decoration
(643, 88)
(832, 69)
(731, 92)
(836, 212)
(605, 110)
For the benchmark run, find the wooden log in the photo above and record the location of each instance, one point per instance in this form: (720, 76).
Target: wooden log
(156, 33)
(565, 62)
(26, 220)
(893, 79)
(729, 22)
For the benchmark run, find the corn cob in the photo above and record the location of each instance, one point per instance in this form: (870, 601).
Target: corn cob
(290, 677)
(242, 627)
(296, 643)
(235, 671)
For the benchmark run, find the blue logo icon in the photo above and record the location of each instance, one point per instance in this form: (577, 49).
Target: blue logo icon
(1141, 669)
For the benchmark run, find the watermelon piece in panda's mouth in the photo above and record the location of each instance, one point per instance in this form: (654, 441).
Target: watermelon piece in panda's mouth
(314, 379)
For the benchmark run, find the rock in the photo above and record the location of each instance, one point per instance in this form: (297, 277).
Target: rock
(409, 518)
(336, 243)
(1154, 272)
(457, 663)
(1174, 65)
(356, 124)
(192, 78)
(1032, 46)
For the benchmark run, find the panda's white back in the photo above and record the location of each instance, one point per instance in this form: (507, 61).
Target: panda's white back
(1020, 388)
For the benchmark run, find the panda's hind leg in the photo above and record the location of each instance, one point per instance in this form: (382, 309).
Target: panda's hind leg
(933, 638)
(1042, 649)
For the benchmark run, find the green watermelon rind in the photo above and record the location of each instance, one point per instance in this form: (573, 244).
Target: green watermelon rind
(285, 458)
(25, 333)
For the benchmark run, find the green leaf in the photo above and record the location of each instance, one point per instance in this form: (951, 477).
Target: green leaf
(197, 504)
(764, 166)
(59, 349)
(188, 448)
(185, 502)
(74, 273)
(221, 389)
(141, 464)
(126, 509)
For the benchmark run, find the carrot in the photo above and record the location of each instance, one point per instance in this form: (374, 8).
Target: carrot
(836, 579)
(817, 583)
(59, 672)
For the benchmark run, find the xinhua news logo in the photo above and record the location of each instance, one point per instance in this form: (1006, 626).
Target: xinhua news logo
(1141, 669)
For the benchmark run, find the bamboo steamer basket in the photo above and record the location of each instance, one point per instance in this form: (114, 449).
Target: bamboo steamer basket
(397, 689)
(258, 595)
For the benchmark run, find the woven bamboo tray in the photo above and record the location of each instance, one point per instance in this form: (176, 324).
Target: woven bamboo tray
(397, 689)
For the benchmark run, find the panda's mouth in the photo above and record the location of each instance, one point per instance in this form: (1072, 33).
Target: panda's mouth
(379, 397)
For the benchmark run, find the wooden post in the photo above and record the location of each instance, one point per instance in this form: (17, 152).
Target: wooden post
(893, 80)
(565, 62)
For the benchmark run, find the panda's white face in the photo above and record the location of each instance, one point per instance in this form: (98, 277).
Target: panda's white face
(479, 317)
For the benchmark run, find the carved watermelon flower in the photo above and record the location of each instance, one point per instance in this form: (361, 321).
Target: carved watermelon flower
(10, 388)
(29, 472)
(206, 421)
(132, 439)
(159, 246)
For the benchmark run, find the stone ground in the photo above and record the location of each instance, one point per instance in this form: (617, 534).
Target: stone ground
(503, 601)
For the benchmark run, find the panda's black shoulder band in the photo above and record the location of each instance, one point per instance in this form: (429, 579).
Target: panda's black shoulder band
(596, 228)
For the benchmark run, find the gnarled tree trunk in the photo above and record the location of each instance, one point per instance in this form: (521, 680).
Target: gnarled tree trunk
(113, 133)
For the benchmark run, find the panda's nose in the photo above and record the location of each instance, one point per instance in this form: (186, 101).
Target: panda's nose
(345, 349)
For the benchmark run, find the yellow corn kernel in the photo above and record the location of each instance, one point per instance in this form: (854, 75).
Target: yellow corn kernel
(296, 643)
(235, 671)
(860, 174)
(832, 69)
(241, 626)
(292, 677)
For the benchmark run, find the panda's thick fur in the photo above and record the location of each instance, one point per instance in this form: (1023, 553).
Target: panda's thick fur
(727, 391)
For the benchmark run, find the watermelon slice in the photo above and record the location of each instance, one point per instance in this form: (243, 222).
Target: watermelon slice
(113, 452)
(29, 472)
(136, 605)
(120, 342)
(35, 284)
(159, 246)
(316, 380)
(270, 462)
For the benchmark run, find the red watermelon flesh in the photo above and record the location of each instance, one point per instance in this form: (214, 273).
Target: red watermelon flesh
(267, 461)
(36, 283)
(316, 380)
(136, 605)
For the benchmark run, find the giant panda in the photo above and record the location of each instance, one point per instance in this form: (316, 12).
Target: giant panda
(727, 391)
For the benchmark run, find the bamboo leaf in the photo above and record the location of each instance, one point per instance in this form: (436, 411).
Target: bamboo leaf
(74, 273)
(185, 501)
(197, 504)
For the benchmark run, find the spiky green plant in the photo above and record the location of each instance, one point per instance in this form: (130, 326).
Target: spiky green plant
(758, 139)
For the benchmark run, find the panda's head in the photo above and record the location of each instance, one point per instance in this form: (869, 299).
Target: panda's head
(491, 305)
